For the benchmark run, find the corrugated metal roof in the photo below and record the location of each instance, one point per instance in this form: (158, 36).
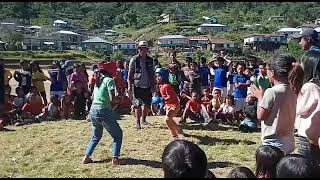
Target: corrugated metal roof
(60, 22)
(126, 41)
(212, 25)
(289, 29)
(96, 40)
(67, 32)
(172, 37)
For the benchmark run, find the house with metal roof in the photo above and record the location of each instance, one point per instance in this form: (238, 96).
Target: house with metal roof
(97, 44)
(173, 41)
(127, 46)
(207, 28)
(267, 42)
(219, 44)
(199, 41)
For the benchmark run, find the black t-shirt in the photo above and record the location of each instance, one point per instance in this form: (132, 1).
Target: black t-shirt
(250, 110)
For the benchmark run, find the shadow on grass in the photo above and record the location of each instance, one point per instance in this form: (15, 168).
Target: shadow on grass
(197, 126)
(102, 161)
(206, 140)
(6, 130)
(150, 163)
(213, 165)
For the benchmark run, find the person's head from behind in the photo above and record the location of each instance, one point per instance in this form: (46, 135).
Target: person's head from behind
(296, 166)
(189, 61)
(285, 69)
(267, 158)
(34, 90)
(77, 68)
(203, 61)
(309, 64)
(241, 172)
(263, 69)
(82, 67)
(220, 61)
(35, 66)
(309, 37)
(206, 92)
(229, 100)
(56, 65)
(240, 68)
(24, 64)
(194, 96)
(19, 91)
(250, 99)
(216, 93)
(54, 99)
(184, 159)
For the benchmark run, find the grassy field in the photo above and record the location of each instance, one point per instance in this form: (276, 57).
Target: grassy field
(55, 149)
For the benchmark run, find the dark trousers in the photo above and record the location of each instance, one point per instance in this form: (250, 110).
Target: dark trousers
(79, 106)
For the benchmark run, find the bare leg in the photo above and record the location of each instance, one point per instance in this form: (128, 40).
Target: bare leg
(138, 114)
(145, 111)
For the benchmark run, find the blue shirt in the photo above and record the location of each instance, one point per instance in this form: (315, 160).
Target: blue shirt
(125, 74)
(220, 76)
(240, 92)
(204, 74)
(57, 84)
(230, 77)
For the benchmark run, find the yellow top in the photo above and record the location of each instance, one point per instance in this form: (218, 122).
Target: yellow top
(37, 80)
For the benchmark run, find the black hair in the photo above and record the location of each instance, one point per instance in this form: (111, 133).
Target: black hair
(267, 158)
(18, 88)
(286, 69)
(53, 97)
(263, 64)
(100, 75)
(184, 159)
(296, 166)
(36, 64)
(311, 67)
(203, 59)
(241, 172)
(57, 63)
(23, 61)
(231, 98)
(241, 64)
(189, 59)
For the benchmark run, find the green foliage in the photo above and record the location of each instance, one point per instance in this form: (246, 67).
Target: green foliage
(295, 49)
(118, 55)
(199, 54)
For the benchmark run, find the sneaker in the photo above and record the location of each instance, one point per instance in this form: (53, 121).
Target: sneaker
(19, 124)
(146, 123)
(116, 161)
(86, 160)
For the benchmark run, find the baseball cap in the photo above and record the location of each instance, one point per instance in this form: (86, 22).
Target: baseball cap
(310, 33)
(143, 44)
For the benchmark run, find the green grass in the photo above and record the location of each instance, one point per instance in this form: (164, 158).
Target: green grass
(55, 149)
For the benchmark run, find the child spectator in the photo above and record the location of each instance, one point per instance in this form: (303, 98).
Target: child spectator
(8, 113)
(38, 78)
(79, 77)
(277, 106)
(220, 75)
(267, 158)
(206, 99)
(194, 78)
(120, 84)
(242, 82)
(232, 72)
(174, 77)
(157, 104)
(204, 73)
(172, 104)
(262, 80)
(20, 100)
(216, 100)
(23, 76)
(226, 110)
(66, 106)
(32, 109)
(249, 124)
(241, 172)
(7, 76)
(80, 99)
(54, 108)
(195, 110)
(296, 166)
(58, 79)
(184, 159)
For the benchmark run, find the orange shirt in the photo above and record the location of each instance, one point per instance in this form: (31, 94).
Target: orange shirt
(167, 90)
(195, 106)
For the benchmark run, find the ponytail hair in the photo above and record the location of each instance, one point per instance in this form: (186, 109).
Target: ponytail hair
(286, 69)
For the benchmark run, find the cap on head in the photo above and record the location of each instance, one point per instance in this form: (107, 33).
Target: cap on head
(309, 33)
(143, 44)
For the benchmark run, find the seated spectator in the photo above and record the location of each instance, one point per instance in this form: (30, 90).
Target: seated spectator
(20, 100)
(66, 106)
(267, 158)
(216, 100)
(226, 110)
(54, 108)
(184, 159)
(241, 172)
(296, 166)
(8, 112)
(249, 123)
(32, 110)
(157, 104)
(195, 110)
(206, 99)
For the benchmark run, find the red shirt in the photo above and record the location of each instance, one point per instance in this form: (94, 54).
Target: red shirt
(195, 106)
(33, 108)
(167, 90)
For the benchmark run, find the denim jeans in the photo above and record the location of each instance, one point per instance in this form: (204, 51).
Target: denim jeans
(104, 118)
(308, 150)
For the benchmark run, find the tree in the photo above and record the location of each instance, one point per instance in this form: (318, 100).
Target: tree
(295, 49)
(118, 55)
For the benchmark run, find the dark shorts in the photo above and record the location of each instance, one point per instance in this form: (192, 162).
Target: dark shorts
(141, 96)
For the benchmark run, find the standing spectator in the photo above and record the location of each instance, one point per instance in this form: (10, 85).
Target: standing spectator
(220, 75)
(204, 73)
(307, 115)
(38, 78)
(173, 57)
(58, 79)
(242, 82)
(232, 72)
(23, 76)
(141, 81)
(262, 80)
(194, 78)
(277, 106)
(310, 44)
(102, 117)
(80, 77)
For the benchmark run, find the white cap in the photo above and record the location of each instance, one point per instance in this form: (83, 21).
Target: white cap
(143, 44)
